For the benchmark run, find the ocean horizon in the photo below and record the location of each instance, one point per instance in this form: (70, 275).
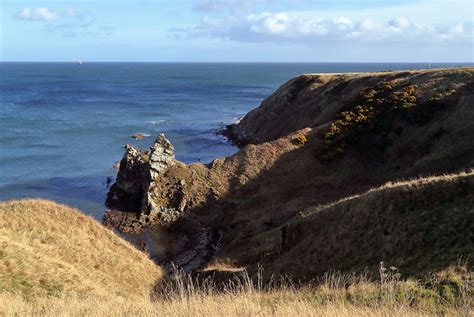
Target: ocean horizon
(64, 125)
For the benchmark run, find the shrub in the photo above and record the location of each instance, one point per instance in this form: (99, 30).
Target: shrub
(300, 139)
(372, 113)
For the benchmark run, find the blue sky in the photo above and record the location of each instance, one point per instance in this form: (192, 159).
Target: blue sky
(231, 30)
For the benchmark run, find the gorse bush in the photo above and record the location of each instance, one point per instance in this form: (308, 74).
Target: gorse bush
(372, 113)
(300, 139)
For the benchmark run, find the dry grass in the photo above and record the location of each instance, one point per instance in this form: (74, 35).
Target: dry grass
(50, 249)
(222, 305)
(420, 226)
(57, 262)
(243, 297)
(414, 184)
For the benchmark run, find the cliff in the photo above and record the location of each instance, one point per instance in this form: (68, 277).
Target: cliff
(312, 100)
(305, 193)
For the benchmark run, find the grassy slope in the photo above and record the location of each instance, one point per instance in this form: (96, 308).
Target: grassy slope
(419, 226)
(55, 261)
(50, 249)
(276, 304)
(447, 294)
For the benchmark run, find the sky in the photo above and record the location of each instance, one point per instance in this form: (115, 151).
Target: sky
(237, 31)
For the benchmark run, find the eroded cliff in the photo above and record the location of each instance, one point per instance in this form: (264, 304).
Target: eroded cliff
(318, 139)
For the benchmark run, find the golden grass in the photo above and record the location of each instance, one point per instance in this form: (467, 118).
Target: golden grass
(185, 297)
(50, 249)
(222, 305)
(55, 261)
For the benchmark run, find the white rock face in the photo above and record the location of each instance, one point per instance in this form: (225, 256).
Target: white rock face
(161, 156)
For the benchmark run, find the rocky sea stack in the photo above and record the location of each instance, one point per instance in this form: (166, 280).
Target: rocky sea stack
(316, 184)
(136, 179)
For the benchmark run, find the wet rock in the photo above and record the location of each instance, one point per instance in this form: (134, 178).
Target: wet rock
(139, 136)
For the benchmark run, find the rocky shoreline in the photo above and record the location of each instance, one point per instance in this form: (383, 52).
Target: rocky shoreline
(252, 208)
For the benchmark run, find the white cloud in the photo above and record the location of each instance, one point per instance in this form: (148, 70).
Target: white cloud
(38, 14)
(68, 22)
(268, 23)
(309, 29)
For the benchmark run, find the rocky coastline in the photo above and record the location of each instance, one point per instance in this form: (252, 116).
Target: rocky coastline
(302, 208)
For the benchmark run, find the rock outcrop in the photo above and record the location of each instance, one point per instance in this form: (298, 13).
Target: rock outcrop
(141, 208)
(134, 187)
(132, 181)
(161, 156)
(362, 131)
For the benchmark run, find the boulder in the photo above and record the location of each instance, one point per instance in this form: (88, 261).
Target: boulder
(139, 136)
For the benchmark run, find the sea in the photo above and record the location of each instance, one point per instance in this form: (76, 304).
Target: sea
(64, 125)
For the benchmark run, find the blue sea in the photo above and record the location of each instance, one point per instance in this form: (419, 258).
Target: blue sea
(64, 125)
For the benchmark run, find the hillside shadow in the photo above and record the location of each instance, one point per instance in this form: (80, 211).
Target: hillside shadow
(261, 221)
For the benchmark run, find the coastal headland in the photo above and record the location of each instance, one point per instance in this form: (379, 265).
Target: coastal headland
(334, 172)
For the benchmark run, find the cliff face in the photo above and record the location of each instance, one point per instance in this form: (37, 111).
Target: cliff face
(317, 140)
(313, 100)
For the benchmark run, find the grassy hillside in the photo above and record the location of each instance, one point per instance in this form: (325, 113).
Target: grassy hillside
(55, 261)
(419, 226)
(50, 249)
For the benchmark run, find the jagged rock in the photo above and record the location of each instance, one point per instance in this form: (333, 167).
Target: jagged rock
(134, 190)
(161, 156)
(127, 191)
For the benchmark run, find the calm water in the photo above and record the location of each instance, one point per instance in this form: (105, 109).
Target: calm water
(62, 126)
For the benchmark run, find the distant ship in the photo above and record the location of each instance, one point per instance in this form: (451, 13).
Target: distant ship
(80, 62)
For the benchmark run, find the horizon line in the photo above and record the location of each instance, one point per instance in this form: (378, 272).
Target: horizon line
(248, 62)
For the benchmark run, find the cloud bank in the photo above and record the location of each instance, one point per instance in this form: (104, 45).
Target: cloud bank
(308, 29)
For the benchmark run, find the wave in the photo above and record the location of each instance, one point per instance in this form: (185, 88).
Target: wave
(156, 122)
